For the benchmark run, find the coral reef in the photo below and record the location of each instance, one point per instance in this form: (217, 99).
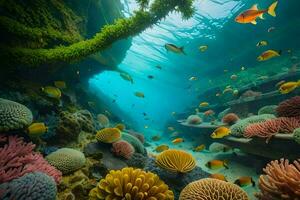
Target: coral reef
(269, 109)
(230, 118)
(296, 135)
(18, 159)
(66, 160)
(135, 142)
(289, 107)
(34, 186)
(176, 161)
(123, 149)
(281, 181)
(212, 189)
(137, 160)
(13, 115)
(130, 183)
(194, 119)
(108, 135)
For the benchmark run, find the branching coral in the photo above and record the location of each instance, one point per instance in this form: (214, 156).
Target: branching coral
(130, 183)
(212, 189)
(230, 118)
(289, 107)
(123, 149)
(281, 182)
(18, 158)
(176, 161)
(108, 135)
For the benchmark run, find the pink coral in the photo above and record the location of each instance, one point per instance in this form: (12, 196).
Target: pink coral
(282, 181)
(289, 107)
(230, 118)
(18, 158)
(271, 127)
(123, 149)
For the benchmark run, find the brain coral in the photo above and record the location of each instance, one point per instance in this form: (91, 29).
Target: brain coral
(297, 135)
(270, 109)
(212, 189)
(108, 135)
(230, 119)
(135, 142)
(33, 186)
(194, 119)
(13, 115)
(123, 149)
(176, 161)
(289, 107)
(134, 184)
(66, 160)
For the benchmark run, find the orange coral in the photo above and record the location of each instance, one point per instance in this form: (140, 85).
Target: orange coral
(212, 189)
(108, 135)
(176, 161)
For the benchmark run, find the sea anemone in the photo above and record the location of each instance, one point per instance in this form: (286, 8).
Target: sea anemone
(194, 119)
(123, 149)
(289, 107)
(230, 119)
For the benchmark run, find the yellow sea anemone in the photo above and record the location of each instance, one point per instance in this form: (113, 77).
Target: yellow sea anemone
(131, 184)
(176, 161)
(108, 135)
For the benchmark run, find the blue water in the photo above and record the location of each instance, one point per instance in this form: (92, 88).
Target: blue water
(230, 46)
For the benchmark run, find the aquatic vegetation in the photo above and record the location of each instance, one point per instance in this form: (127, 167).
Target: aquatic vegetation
(296, 135)
(130, 183)
(66, 160)
(194, 119)
(136, 143)
(211, 189)
(18, 158)
(280, 181)
(289, 107)
(269, 109)
(35, 186)
(176, 161)
(123, 149)
(121, 127)
(230, 118)
(13, 115)
(108, 135)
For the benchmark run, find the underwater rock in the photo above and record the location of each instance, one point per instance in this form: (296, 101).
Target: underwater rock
(289, 107)
(194, 119)
(136, 143)
(296, 135)
(137, 160)
(13, 115)
(269, 109)
(34, 186)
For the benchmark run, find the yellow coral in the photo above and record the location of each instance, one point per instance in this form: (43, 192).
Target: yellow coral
(108, 135)
(131, 184)
(176, 161)
(212, 189)
(121, 127)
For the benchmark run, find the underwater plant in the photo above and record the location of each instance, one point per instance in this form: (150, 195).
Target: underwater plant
(108, 135)
(130, 183)
(123, 149)
(212, 189)
(230, 118)
(289, 107)
(177, 161)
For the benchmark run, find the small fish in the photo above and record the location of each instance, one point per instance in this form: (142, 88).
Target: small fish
(268, 55)
(150, 77)
(220, 132)
(218, 94)
(262, 43)
(203, 48)
(52, 92)
(280, 83)
(177, 140)
(204, 104)
(272, 28)
(217, 164)
(161, 148)
(139, 94)
(243, 68)
(199, 148)
(244, 181)
(218, 176)
(77, 72)
(225, 70)
(60, 84)
(289, 87)
(173, 113)
(170, 128)
(233, 77)
(155, 138)
(158, 67)
(227, 90)
(175, 49)
(193, 78)
(126, 77)
(146, 126)
(209, 113)
(235, 92)
(250, 15)
(37, 129)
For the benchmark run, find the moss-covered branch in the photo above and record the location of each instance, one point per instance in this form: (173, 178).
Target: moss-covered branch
(122, 28)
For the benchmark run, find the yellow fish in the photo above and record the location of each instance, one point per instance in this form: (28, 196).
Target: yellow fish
(288, 87)
(203, 104)
(52, 92)
(37, 129)
(175, 49)
(199, 148)
(60, 84)
(218, 176)
(216, 164)
(161, 148)
(244, 181)
(178, 140)
(220, 132)
(126, 77)
(262, 43)
(266, 55)
(203, 48)
(139, 94)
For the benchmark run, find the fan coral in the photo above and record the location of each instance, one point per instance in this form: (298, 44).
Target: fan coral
(176, 161)
(121, 127)
(123, 149)
(130, 183)
(282, 181)
(13, 115)
(194, 119)
(289, 107)
(212, 189)
(230, 119)
(136, 143)
(103, 120)
(108, 135)
(270, 109)
(296, 135)
(18, 159)
(66, 160)
(34, 186)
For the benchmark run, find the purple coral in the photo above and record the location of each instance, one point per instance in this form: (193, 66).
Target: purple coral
(18, 159)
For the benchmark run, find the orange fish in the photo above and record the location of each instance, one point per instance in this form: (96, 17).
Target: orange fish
(216, 164)
(218, 176)
(250, 15)
(209, 113)
(268, 55)
(244, 181)
(178, 140)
